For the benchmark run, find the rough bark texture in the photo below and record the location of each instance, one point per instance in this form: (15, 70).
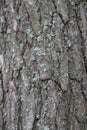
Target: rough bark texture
(43, 65)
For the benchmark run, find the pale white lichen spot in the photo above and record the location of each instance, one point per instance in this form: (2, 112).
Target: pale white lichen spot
(69, 43)
(14, 25)
(28, 31)
(45, 72)
(12, 9)
(2, 19)
(1, 94)
(55, 56)
(46, 128)
(38, 51)
(12, 91)
(29, 120)
(30, 2)
(1, 60)
(8, 30)
(25, 79)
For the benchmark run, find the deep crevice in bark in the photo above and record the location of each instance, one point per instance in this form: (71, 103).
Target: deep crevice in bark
(3, 102)
(19, 124)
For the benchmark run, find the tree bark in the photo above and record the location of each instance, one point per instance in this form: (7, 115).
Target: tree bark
(43, 65)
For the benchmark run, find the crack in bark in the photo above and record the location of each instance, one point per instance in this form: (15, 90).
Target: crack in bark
(82, 39)
(19, 124)
(83, 56)
(82, 120)
(82, 91)
(3, 101)
(59, 85)
(39, 11)
(17, 4)
(36, 119)
(35, 123)
(29, 18)
(57, 82)
(55, 7)
(64, 23)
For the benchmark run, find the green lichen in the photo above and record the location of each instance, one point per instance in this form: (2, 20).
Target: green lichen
(18, 17)
(22, 98)
(38, 124)
(31, 35)
(45, 72)
(46, 128)
(76, 33)
(66, 38)
(66, 74)
(5, 115)
(28, 31)
(54, 21)
(51, 12)
(69, 43)
(1, 19)
(52, 34)
(49, 36)
(55, 56)
(39, 38)
(35, 76)
(55, 14)
(38, 51)
(8, 30)
(62, 128)
(44, 67)
(45, 109)
(46, 23)
(45, 27)
(72, 3)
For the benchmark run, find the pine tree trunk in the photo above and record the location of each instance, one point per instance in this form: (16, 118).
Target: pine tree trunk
(43, 65)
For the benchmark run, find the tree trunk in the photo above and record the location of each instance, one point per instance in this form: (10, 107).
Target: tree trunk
(43, 65)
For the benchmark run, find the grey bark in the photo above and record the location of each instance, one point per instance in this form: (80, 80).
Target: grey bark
(43, 65)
